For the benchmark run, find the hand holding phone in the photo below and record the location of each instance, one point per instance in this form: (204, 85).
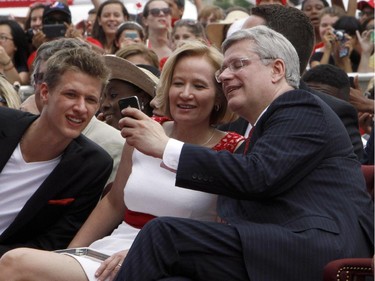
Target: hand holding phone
(129, 102)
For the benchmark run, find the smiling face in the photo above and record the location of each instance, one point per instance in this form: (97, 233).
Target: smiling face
(326, 23)
(192, 92)
(161, 21)
(110, 18)
(115, 90)
(69, 107)
(246, 92)
(36, 18)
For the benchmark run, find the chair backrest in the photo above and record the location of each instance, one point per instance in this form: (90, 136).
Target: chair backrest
(354, 269)
(368, 173)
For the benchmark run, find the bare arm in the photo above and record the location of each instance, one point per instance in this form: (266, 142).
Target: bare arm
(96, 3)
(199, 5)
(352, 6)
(109, 212)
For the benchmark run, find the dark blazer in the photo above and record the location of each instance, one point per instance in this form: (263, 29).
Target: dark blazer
(55, 212)
(297, 199)
(344, 110)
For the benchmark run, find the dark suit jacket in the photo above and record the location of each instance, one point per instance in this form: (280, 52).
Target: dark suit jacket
(297, 199)
(55, 212)
(345, 111)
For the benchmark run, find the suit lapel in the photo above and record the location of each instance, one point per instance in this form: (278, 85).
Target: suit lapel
(10, 135)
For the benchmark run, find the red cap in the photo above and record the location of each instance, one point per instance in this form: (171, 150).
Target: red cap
(364, 3)
(283, 2)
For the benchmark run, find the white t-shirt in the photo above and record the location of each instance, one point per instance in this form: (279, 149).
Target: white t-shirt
(18, 182)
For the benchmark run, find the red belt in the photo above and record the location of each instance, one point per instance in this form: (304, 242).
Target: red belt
(137, 220)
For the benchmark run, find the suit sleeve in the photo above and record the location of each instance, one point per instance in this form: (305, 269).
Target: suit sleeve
(288, 146)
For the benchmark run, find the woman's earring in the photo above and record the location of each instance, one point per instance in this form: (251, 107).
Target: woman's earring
(217, 107)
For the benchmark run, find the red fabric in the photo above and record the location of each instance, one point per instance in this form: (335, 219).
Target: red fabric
(64, 202)
(162, 62)
(229, 142)
(318, 46)
(248, 140)
(137, 220)
(94, 41)
(31, 59)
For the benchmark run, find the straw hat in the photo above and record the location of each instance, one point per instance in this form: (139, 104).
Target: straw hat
(126, 71)
(215, 30)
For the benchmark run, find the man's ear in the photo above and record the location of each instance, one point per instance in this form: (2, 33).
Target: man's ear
(278, 70)
(44, 93)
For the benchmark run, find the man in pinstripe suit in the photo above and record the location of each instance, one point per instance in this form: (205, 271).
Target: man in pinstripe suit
(292, 202)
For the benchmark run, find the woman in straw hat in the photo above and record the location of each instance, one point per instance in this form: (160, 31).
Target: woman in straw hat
(126, 80)
(195, 102)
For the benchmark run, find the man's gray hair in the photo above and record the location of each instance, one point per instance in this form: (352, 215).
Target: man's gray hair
(269, 45)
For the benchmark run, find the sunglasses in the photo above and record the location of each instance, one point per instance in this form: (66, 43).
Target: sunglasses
(156, 11)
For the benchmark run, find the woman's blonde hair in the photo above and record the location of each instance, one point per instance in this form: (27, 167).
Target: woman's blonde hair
(219, 112)
(9, 94)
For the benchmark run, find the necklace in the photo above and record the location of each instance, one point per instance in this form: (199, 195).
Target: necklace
(210, 138)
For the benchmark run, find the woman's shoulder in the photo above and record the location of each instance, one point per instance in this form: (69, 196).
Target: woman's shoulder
(230, 141)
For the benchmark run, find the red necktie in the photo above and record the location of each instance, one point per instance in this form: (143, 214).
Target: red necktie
(247, 141)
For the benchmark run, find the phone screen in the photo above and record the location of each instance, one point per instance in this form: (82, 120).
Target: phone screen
(131, 35)
(130, 101)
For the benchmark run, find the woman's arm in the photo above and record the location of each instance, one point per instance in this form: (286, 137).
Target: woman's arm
(109, 212)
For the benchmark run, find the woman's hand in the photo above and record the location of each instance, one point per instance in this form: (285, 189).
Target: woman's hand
(328, 39)
(365, 41)
(38, 39)
(5, 60)
(110, 267)
(366, 121)
(72, 32)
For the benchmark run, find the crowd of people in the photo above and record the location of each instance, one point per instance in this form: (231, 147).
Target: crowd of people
(243, 145)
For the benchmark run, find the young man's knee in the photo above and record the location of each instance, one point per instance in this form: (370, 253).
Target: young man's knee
(9, 264)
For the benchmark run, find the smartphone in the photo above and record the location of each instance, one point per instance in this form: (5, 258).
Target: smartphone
(130, 101)
(54, 30)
